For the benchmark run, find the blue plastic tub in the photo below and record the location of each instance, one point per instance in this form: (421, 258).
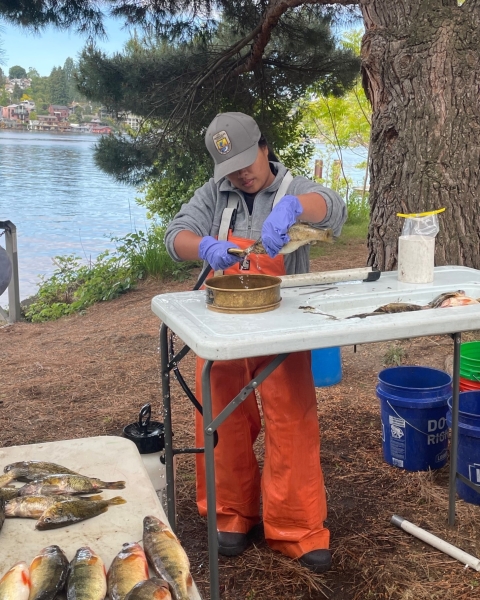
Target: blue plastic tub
(326, 366)
(413, 404)
(468, 457)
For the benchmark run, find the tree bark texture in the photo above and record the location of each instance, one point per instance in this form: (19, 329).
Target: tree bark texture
(421, 71)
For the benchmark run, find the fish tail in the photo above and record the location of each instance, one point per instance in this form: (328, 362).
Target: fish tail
(114, 485)
(7, 478)
(117, 500)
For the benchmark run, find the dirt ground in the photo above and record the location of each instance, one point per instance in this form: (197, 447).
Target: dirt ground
(89, 375)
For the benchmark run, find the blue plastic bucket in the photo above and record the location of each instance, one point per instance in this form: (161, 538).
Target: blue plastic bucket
(468, 457)
(326, 366)
(413, 403)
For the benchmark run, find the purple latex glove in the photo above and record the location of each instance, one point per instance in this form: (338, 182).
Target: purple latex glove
(215, 253)
(278, 222)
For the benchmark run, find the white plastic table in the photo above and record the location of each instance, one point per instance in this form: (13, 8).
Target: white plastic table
(109, 458)
(290, 328)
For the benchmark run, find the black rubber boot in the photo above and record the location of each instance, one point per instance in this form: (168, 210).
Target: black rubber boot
(317, 561)
(231, 543)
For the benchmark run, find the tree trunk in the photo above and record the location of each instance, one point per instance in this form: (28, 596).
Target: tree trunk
(421, 71)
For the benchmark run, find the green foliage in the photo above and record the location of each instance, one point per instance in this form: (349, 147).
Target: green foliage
(17, 72)
(341, 123)
(172, 87)
(74, 286)
(147, 256)
(17, 93)
(394, 356)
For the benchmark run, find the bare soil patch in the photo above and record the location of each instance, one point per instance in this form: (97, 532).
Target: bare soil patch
(89, 375)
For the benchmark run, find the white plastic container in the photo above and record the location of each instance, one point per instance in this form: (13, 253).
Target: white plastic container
(416, 258)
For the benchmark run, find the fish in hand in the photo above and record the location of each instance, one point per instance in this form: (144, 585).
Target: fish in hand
(74, 510)
(300, 234)
(167, 557)
(87, 578)
(33, 507)
(68, 484)
(128, 568)
(15, 584)
(48, 573)
(33, 469)
(153, 589)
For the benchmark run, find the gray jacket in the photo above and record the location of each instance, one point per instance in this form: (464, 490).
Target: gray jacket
(203, 213)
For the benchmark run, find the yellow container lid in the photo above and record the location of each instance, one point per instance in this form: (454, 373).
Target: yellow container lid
(423, 214)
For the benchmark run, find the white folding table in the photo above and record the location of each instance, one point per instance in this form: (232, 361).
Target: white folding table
(291, 328)
(109, 458)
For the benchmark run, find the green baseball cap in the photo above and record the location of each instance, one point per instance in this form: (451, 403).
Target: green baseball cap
(232, 140)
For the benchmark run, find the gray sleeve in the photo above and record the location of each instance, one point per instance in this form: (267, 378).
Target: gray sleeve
(195, 216)
(336, 207)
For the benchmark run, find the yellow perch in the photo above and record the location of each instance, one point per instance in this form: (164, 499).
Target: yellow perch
(300, 234)
(167, 557)
(71, 511)
(86, 577)
(33, 507)
(48, 573)
(68, 484)
(128, 568)
(153, 589)
(15, 584)
(33, 469)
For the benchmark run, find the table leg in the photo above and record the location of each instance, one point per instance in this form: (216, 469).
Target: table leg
(209, 427)
(167, 422)
(210, 481)
(457, 340)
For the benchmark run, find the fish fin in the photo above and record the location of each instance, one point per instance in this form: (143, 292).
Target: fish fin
(26, 579)
(236, 252)
(92, 498)
(116, 500)
(114, 485)
(170, 535)
(189, 580)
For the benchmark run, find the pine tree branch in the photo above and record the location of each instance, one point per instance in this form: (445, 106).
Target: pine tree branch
(270, 21)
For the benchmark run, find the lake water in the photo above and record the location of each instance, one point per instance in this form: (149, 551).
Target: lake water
(60, 201)
(63, 204)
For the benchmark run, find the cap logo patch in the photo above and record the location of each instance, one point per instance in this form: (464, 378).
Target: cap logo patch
(222, 142)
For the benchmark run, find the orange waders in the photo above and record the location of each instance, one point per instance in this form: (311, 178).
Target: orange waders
(293, 492)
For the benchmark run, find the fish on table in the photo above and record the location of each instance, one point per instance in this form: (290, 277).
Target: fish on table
(33, 507)
(7, 493)
(33, 469)
(300, 234)
(67, 512)
(15, 584)
(444, 300)
(167, 557)
(128, 569)
(86, 576)
(48, 573)
(68, 484)
(152, 589)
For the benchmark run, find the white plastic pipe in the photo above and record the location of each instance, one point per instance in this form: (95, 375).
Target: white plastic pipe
(436, 542)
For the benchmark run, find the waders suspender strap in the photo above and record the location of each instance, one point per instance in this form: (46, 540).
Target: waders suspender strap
(227, 222)
(229, 212)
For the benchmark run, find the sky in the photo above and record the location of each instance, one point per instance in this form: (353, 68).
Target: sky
(51, 47)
